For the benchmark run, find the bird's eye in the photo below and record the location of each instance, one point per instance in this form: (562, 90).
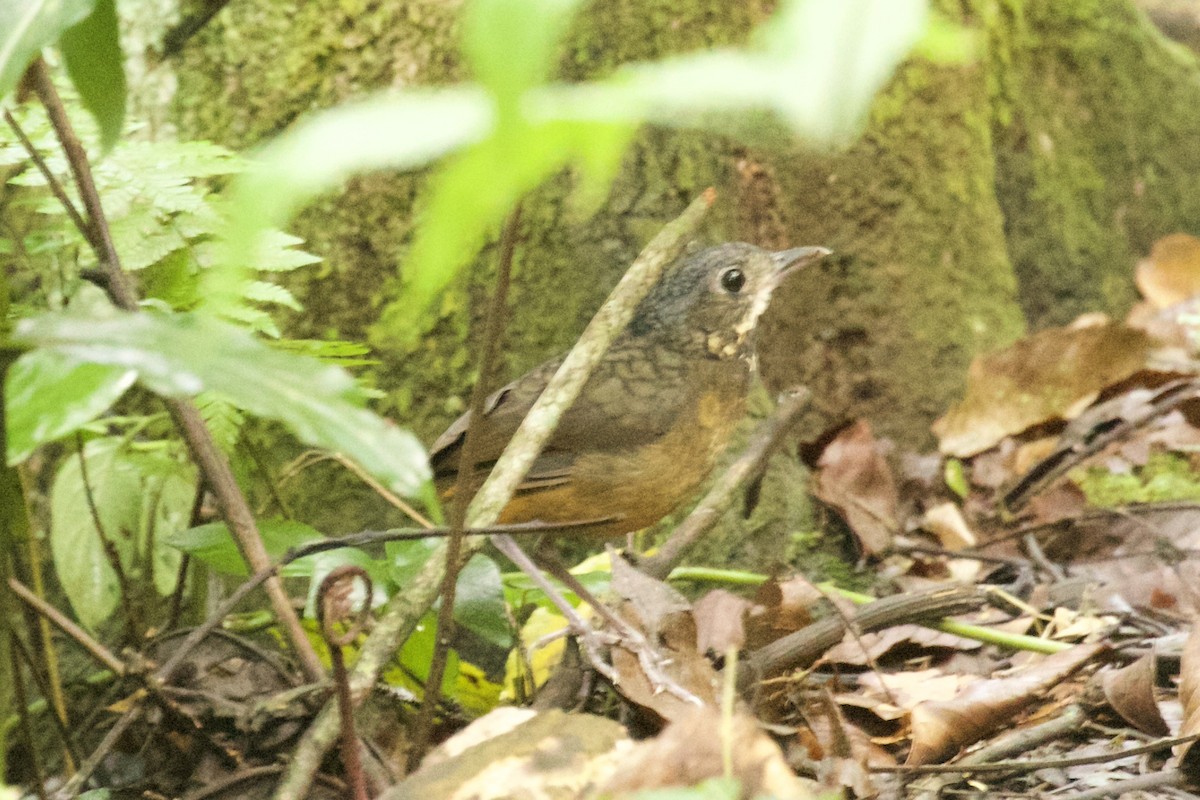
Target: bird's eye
(732, 280)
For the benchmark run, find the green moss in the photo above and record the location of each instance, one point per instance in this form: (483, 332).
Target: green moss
(1095, 159)
(921, 281)
(1165, 477)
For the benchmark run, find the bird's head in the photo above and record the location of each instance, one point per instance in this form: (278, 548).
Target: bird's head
(714, 298)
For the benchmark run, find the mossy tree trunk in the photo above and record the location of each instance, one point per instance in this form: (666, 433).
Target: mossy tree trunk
(1010, 192)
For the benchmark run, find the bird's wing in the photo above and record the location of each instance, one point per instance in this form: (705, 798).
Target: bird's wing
(629, 401)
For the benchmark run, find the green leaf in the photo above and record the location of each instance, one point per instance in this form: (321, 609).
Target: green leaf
(185, 354)
(415, 656)
(213, 544)
(133, 493)
(26, 26)
(401, 131)
(511, 44)
(955, 477)
(816, 64)
(479, 601)
(406, 558)
(49, 396)
(475, 191)
(92, 53)
(263, 292)
(520, 590)
(223, 419)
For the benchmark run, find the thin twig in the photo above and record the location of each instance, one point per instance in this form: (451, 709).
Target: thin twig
(60, 727)
(56, 188)
(22, 700)
(709, 511)
(404, 610)
(81, 637)
(1036, 764)
(493, 333)
(311, 458)
(181, 574)
(332, 599)
(1141, 784)
(208, 457)
(77, 781)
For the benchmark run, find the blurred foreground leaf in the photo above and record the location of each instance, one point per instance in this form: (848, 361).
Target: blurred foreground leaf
(92, 52)
(49, 396)
(185, 354)
(26, 26)
(815, 66)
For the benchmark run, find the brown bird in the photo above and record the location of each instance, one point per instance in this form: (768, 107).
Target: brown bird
(657, 411)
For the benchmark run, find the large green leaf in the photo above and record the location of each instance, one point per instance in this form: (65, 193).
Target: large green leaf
(511, 44)
(213, 544)
(185, 354)
(816, 64)
(473, 193)
(479, 601)
(26, 26)
(398, 131)
(49, 396)
(134, 494)
(92, 52)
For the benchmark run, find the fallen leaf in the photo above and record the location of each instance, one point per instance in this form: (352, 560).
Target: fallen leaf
(721, 621)
(946, 522)
(942, 728)
(504, 749)
(1130, 691)
(907, 690)
(1064, 500)
(781, 607)
(854, 478)
(1171, 273)
(1052, 375)
(844, 753)
(1189, 696)
(866, 648)
(691, 750)
(664, 617)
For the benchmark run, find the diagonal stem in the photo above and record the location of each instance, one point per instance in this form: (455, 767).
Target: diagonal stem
(405, 609)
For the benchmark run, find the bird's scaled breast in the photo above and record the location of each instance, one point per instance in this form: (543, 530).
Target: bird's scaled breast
(642, 485)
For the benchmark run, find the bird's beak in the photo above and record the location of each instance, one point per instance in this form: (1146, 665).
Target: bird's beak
(789, 261)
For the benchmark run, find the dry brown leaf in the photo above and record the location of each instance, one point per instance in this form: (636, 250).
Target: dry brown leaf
(854, 478)
(1130, 691)
(866, 648)
(665, 618)
(941, 729)
(1147, 563)
(1067, 624)
(1064, 500)
(844, 753)
(1189, 696)
(891, 696)
(1051, 375)
(1171, 273)
(781, 607)
(689, 751)
(720, 621)
(946, 522)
